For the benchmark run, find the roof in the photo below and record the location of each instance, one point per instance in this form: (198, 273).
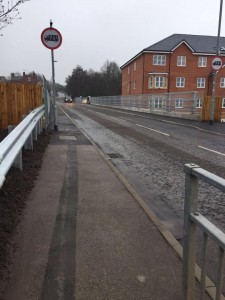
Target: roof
(197, 43)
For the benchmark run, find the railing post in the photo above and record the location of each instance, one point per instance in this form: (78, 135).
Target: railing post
(193, 103)
(168, 102)
(189, 247)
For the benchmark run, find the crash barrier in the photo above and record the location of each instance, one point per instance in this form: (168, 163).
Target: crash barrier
(190, 105)
(21, 135)
(193, 220)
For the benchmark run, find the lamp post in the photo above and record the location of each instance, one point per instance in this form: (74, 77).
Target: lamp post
(215, 72)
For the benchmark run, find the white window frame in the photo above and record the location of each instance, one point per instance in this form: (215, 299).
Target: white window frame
(134, 85)
(180, 82)
(179, 103)
(201, 83)
(135, 66)
(199, 103)
(202, 61)
(158, 102)
(223, 103)
(159, 60)
(128, 86)
(157, 82)
(181, 61)
(222, 82)
(151, 82)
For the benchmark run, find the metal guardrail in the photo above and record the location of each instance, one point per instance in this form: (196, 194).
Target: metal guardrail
(21, 135)
(192, 220)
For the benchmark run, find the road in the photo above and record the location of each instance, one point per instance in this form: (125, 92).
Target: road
(151, 152)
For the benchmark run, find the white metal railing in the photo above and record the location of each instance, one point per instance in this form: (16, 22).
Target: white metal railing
(192, 220)
(21, 135)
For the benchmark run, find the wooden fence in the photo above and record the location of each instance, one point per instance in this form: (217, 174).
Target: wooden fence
(206, 108)
(16, 100)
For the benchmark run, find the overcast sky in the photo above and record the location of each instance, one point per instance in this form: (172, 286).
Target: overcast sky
(96, 30)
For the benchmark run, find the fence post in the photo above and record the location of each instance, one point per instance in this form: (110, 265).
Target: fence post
(193, 102)
(168, 102)
(189, 247)
(150, 103)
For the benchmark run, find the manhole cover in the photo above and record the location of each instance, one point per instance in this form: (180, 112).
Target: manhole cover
(67, 138)
(115, 155)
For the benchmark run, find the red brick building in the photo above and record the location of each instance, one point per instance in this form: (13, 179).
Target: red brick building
(178, 63)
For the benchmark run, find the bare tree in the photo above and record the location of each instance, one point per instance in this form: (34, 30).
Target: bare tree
(9, 12)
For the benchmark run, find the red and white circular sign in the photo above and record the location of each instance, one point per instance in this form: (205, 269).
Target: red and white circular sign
(51, 38)
(217, 63)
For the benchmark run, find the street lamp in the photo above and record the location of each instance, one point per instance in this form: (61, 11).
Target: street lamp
(215, 73)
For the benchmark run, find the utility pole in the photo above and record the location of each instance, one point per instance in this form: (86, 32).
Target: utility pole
(215, 72)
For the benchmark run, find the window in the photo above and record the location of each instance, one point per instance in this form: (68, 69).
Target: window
(180, 82)
(223, 103)
(179, 103)
(128, 70)
(201, 83)
(158, 102)
(222, 82)
(202, 61)
(134, 85)
(159, 60)
(181, 61)
(199, 103)
(151, 82)
(157, 82)
(135, 66)
(128, 86)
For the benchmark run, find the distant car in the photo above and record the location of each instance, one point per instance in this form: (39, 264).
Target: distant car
(68, 99)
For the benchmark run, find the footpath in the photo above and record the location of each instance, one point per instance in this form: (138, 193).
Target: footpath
(84, 235)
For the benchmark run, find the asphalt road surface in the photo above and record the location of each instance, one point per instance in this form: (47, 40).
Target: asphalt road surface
(151, 152)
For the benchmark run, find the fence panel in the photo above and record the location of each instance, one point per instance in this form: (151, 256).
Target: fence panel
(206, 108)
(17, 100)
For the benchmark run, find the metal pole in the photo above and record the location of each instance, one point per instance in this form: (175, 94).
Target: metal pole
(189, 247)
(215, 73)
(53, 89)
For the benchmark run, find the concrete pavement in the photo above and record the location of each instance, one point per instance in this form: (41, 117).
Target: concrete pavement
(84, 234)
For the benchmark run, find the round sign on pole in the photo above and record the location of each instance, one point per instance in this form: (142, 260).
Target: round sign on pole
(217, 63)
(51, 38)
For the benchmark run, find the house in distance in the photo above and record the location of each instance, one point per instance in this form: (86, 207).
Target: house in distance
(178, 63)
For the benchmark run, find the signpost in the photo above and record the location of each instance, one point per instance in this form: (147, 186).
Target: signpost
(52, 39)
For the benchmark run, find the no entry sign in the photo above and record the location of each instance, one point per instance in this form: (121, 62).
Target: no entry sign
(51, 38)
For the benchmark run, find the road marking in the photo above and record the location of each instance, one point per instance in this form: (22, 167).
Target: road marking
(162, 120)
(217, 152)
(153, 130)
